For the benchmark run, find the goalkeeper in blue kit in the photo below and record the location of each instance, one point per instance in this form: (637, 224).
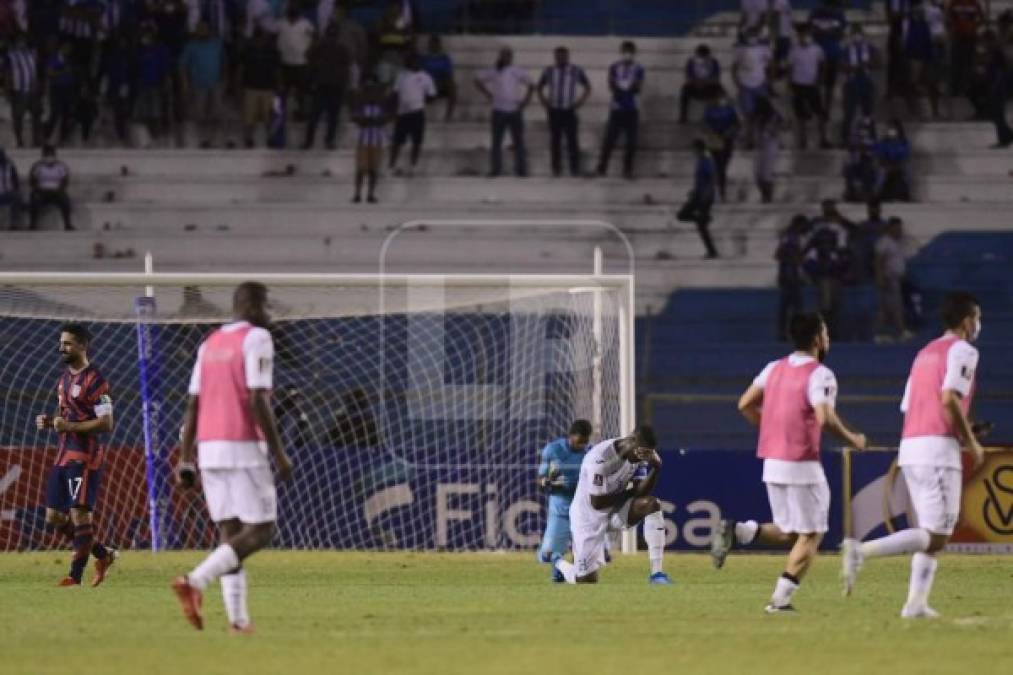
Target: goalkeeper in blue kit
(557, 475)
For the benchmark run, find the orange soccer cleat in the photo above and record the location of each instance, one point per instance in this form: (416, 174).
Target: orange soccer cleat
(189, 600)
(102, 566)
(68, 581)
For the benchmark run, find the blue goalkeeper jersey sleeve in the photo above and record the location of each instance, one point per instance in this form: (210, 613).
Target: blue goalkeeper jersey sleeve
(557, 457)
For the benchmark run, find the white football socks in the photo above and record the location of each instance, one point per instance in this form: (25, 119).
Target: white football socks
(654, 535)
(234, 595)
(912, 540)
(221, 561)
(568, 570)
(783, 591)
(923, 572)
(745, 532)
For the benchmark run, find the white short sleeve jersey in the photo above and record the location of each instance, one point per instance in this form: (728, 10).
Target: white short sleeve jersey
(602, 472)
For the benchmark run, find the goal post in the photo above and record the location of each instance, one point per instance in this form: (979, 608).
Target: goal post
(414, 405)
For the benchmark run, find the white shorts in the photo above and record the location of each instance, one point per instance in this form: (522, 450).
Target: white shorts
(590, 532)
(244, 494)
(935, 496)
(800, 509)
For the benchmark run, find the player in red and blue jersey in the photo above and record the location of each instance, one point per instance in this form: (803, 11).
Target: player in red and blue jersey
(85, 412)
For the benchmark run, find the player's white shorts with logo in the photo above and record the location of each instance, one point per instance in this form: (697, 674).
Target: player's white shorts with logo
(590, 533)
(935, 496)
(800, 509)
(247, 494)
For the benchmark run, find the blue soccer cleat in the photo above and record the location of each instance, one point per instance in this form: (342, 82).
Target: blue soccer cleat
(660, 579)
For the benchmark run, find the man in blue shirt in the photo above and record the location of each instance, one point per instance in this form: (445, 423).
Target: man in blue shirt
(703, 80)
(557, 475)
(828, 23)
(723, 124)
(698, 207)
(626, 80)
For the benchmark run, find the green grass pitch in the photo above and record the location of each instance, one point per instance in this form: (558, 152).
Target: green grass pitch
(351, 613)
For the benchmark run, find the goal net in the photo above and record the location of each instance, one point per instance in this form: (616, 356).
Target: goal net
(414, 407)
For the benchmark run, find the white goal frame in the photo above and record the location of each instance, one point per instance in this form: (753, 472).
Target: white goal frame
(147, 283)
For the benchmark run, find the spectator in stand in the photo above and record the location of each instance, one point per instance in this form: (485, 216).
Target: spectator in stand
(24, 89)
(509, 90)
(350, 33)
(891, 268)
(861, 172)
(893, 152)
(295, 37)
(626, 81)
(86, 110)
(218, 14)
(769, 123)
(80, 25)
(260, 78)
(859, 60)
(413, 88)
(862, 241)
(828, 25)
(722, 122)
(154, 65)
(330, 77)
(896, 65)
(63, 84)
(998, 77)
(751, 73)
(439, 66)
(754, 15)
(782, 29)
(262, 14)
(10, 190)
(202, 82)
(371, 114)
(697, 208)
(49, 179)
(558, 92)
(118, 73)
(790, 277)
(923, 57)
(826, 262)
(807, 62)
(169, 18)
(703, 80)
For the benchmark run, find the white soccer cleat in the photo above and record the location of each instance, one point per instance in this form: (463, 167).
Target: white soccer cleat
(923, 612)
(851, 563)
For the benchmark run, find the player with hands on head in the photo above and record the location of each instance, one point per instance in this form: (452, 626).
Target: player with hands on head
(608, 499)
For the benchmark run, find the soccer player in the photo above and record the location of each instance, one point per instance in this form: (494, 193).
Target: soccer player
(86, 412)
(605, 501)
(229, 416)
(558, 474)
(936, 402)
(792, 400)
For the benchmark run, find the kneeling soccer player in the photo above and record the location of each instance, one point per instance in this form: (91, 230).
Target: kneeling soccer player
(791, 400)
(605, 502)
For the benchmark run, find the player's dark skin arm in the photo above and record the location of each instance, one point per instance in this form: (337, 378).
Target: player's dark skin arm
(260, 405)
(189, 435)
(99, 425)
(609, 502)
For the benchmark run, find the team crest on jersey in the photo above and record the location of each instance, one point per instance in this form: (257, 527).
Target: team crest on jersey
(75, 390)
(599, 479)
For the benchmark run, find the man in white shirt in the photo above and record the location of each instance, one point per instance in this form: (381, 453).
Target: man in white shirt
(48, 179)
(750, 73)
(413, 88)
(295, 37)
(509, 90)
(806, 62)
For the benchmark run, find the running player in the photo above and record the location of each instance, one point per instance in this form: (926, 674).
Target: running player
(86, 412)
(558, 475)
(229, 416)
(605, 501)
(936, 402)
(791, 401)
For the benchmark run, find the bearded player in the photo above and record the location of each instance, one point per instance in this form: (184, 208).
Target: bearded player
(936, 403)
(229, 416)
(608, 499)
(792, 400)
(85, 413)
(558, 474)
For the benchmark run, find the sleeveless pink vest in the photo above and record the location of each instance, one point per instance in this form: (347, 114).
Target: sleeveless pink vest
(788, 427)
(224, 402)
(925, 415)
